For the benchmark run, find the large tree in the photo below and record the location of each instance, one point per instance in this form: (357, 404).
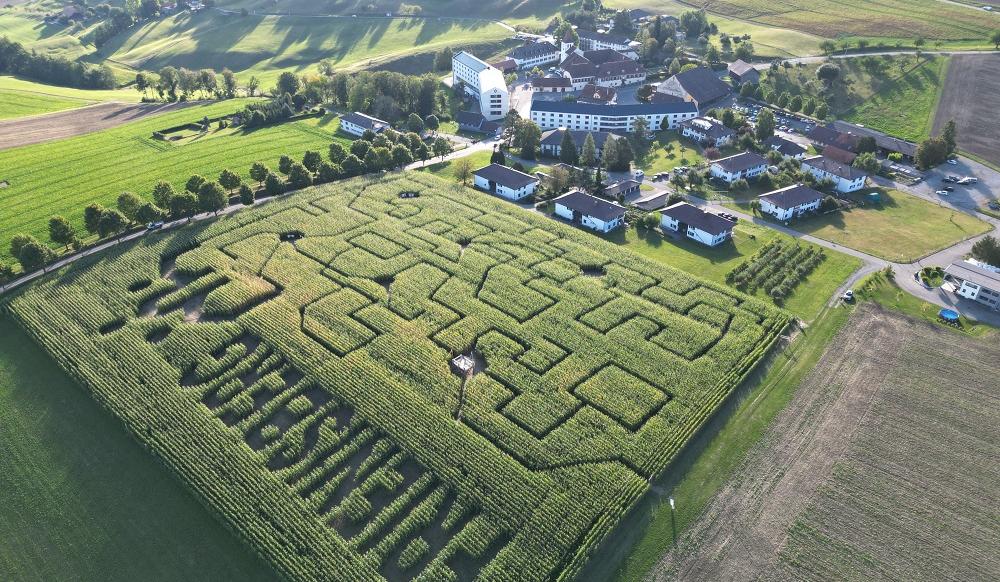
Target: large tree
(61, 231)
(588, 153)
(462, 169)
(987, 250)
(949, 134)
(765, 124)
(567, 149)
(211, 197)
(527, 137)
(288, 83)
(128, 203)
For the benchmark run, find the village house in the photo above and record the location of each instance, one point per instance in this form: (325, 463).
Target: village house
(551, 143)
(787, 148)
(700, 86)
(826, 135)
(975, 282)
(604, 68)
(589, 211)
(708, 131)
(886, 144)
(845, 178)
(591, 93)
(839, 155)
(594, 41)
(504, 182)
(619, 190)
(790, 202)
(357, 123)
(552, 84)
(696, 224)
(613, 118)
(535, 54)
(741, 72)
(746, 166)
(475, 122)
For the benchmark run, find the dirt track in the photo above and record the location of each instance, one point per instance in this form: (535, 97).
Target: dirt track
(38, 128)
(971, 97)
(882, 467)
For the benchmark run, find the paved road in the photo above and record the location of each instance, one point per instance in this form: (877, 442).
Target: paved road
(822, 58)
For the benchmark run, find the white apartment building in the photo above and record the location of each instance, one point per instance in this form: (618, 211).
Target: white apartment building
(790, 202)
(845, 178)
(535, 54)
(614, 118)
(484, 82)
(746, 166)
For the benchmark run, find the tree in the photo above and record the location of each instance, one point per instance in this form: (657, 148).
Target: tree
(559, 180)
(828, 73)
(987, 250)
(795, 104)
(995, 39)
(588, 154)
(288, 83)
(765, 124)
(744, 51)
(112, 222)
(328, 172)
(211, 197)
(247, 196)
(259, 172)
(253, 83)
(401, 155)
(740, 185)
(527, 137)
(866, 162)
(442, 60)
(783, 100)
(931, 152)
(311, 160)
(184, 204)
(353, 166)
(273, 185)
(498, 157)
(162, 193)
(128, 204)
(149, 213)
(61, 231)
(712, 54)
(33, 254)
(747, 90)
(828, 47)
(621, 23)
(640, 136)
(609, 156)
(337, 153)
(230, 180)
(91, 216)
(462, 169)
(360, 147)
(142, 83)
(229, 84)
(949, 135)
(822, 110)
(207, 81)
(809, 106)
(432, 123)
(567, 149)
(414, 123)
(441, 147)
(299, 176)
(674, 67)
(285, 164)
(625, 155)
(194, 184)
(866, 144)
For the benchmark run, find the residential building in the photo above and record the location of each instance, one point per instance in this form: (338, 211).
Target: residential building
(535, 54)
(357, 123)
(699, 85)
(839, 155)
(886, 143)
(741, 72)
(708, 131)
(504, 182)
(551, 144)
(505, 65)
(975, 283)
(613, 118)
(652, 201)
(589, 211)
(592, 93)
(787, 148)
(552, 84)
(696, 224)
(593, 41)
(826, 135)
(845, 178)
(746, 166)
(482, 81)
(475, 122)
(621, 189)
(790, 202)
(604, 68)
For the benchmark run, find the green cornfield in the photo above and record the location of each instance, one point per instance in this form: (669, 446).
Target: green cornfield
(292, 363)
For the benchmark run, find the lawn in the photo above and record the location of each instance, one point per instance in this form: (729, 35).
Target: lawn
(681, 152)
(83, 501)
(63, 177)
(20, 97)
(894, 94)
(806, 301)
(479, 159)
(902, 229)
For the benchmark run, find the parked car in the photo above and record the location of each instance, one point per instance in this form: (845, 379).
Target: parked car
(941, 192)
(949, 188)
(953, 162)
(849, 295)
(155, 225)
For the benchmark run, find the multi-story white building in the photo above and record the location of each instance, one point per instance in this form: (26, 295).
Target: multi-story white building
(708, 131)
(595, 41)
(613, 118)
(504, 182)
(357, 123)
(975, 283)
(845, 178)
(594, 213)
(535, 54)
(696, 224)
(790, 202)
(484, 82)
(746, 166)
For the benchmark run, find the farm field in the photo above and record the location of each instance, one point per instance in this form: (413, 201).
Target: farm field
(63, 177)
(303, 388)
(79, 495)
(882, 466)
(972, 98)
(20, 97)
(902, 229)
(807, 299)
(897, 95)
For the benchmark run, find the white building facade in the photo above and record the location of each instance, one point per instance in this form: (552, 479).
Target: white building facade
(589, 211)
(745, 166)
(790, 202)
(696, 224)
(613, 118)
(845, 178)
(482, 81)
(504, 182)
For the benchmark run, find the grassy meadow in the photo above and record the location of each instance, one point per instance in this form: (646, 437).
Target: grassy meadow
(20, 97)
(83, 501)
(63, 177)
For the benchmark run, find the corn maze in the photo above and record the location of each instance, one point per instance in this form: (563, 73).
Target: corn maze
(291, 363)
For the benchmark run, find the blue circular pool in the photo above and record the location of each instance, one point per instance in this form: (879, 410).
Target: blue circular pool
(948, 314)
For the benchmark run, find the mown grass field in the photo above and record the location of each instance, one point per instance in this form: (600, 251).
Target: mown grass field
(63, 177)
(902, 229)
(682, 153)
(83, 501)
(304, 389)
(808, 298)
(20, 97)
(899, 96)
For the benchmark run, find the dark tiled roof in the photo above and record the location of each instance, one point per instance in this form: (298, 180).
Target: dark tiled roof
(505, 65)
(552, 82)
(741, 162)
(711, 128)
(533, 50)
(595, 94)
(698, 218)
(601, 56)
(473, 121)
(618, 68)
(886, 142)
(792, 196)
(740, 67)
(834, 167)
(703, 85)
(653, 201)
(823, 134)
(505, 176)
(597, 109)
(605, 37)
(588, 205)
(658, 97)
(835, 153)
(620, 187)
(554, 137)
(784, 146)
(365, 121)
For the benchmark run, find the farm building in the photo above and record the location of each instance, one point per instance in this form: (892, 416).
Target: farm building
(696, 224)
(615, 118)
(357, 123)
(746, 166)
(886, 143)
(551, 144)
(787, 148)
(504, 182)
(840, 155)
(741, 72)
(708, 131)
(621, 189)
(975, 283)
(845, 178)
(590, 211)
(790, 202)
(700, 86)
(827, 135)
(552, 84)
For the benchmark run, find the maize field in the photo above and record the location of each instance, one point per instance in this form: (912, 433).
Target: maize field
(291, 363)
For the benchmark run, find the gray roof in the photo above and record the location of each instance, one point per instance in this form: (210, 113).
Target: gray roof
(886, 142)
(620, 110)
(702, 85)
(975, 274)
(603, 36)
(834, 167)
(365, 121)
(588, 205)
(652, 201)
(783, 146)
(740, 162)
(709, 127)
(554, 137)
(552, 82)
(740, 67)
(533, 50)
(474, 121)
(792, 196)
(619, 187)
(595, 94)
(698, 218)
(505, 176)
(470, 60)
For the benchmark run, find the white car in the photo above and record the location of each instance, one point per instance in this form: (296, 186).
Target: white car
(942, 192)
(953, 162)
(849, 295)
